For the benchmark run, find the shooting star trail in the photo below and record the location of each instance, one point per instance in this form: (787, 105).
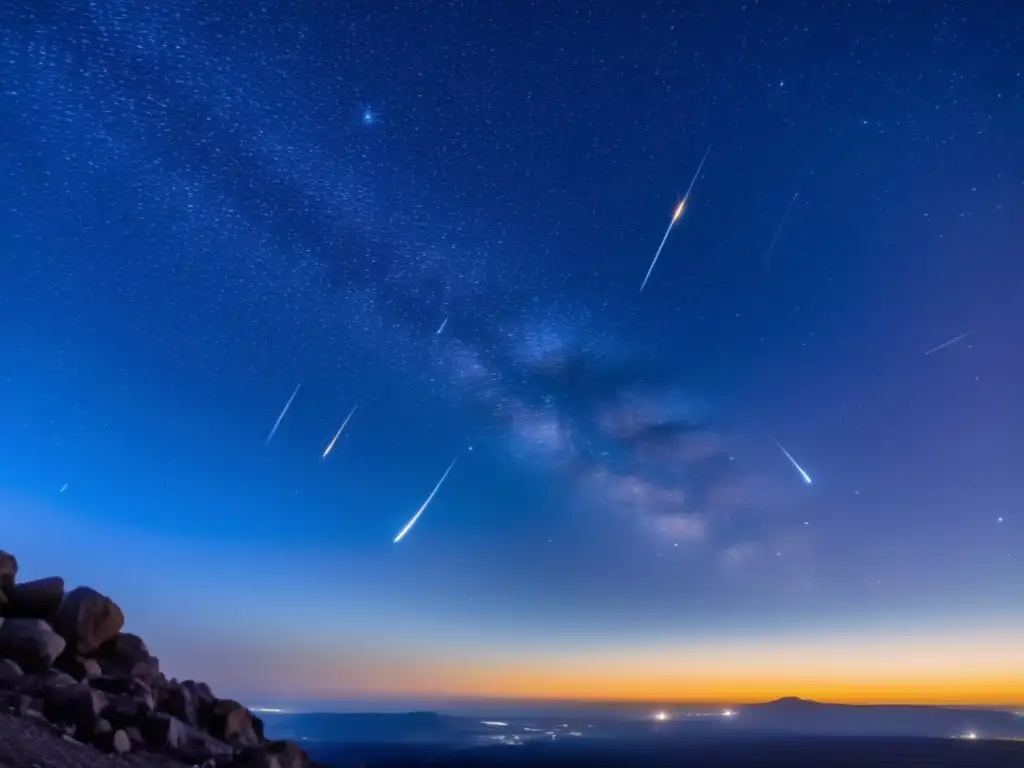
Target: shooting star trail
(804, 475)
(954, 340)
(284, 410)
(676, 215)
(443, 324)
(778, 230)
(422, 509)
(330, 446)
(63, 488)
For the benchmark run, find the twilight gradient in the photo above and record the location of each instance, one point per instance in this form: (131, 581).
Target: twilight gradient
(205, 204)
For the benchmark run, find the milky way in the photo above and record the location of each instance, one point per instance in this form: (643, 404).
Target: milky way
(206, 203)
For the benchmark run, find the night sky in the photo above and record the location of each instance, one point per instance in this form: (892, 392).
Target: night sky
(205, 204)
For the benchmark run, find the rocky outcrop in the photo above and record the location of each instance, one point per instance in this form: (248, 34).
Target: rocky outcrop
(8, 570)
(64, 660)
(39, 598)
(87, 619)
(31, 643)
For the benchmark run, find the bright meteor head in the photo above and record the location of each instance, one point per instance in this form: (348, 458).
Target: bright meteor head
(679, 210)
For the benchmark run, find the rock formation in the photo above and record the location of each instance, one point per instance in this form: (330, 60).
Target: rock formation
(65, 659)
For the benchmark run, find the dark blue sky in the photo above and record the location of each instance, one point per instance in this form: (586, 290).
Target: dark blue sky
(204, 204)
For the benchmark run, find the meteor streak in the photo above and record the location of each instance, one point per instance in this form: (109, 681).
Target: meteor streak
(778, 230)
(804, 475)
(422, 509)
(330, 446)
(693, 181)
(954, 340)
(443, 324)
(283, 412)
(675, 217)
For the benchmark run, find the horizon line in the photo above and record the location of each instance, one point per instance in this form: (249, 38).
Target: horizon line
(441, 700)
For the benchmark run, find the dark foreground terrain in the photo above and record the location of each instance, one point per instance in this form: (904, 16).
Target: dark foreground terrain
(766, 752)
(78, 692)
(29, 741)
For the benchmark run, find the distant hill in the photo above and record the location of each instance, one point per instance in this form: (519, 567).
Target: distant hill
(803, 716)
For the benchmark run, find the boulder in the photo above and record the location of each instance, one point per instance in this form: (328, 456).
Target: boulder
(127, 656)
(233, 723)
(135, 737)
(124, 710)
(276, 754)
(167, 733)
(148, 670)
(126, 647)
(31, 643)
(137, 690)
(181, 701)
(8, 570)
(163, 731)
(37, 599)
(112, 684)
(20, 704)
(10, 673)
(79, 667)
(87, 620)
(77, 705)
(201, 692)
(121, 744)
(36, 684)
(110, 740)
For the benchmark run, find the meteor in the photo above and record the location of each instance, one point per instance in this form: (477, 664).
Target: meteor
(443, 324)
(680, 207)
(693, 181)
(778, 230)
(804, 475)
(330, 446)
(954, 340)
(422, 509)
(283, 412)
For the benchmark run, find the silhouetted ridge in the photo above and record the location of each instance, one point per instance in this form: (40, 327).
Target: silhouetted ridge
(796, 715)
(789, 701)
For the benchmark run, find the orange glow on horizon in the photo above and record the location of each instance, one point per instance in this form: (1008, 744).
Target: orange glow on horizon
(993, 690)
(952, 672)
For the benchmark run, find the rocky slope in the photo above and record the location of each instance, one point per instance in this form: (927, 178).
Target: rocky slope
(73, 686)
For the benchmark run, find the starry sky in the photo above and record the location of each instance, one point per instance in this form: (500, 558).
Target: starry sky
(204, 205)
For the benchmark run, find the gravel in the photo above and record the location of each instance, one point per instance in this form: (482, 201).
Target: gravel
(26, 742)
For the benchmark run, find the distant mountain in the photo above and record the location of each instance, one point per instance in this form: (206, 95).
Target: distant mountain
(803, 716)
